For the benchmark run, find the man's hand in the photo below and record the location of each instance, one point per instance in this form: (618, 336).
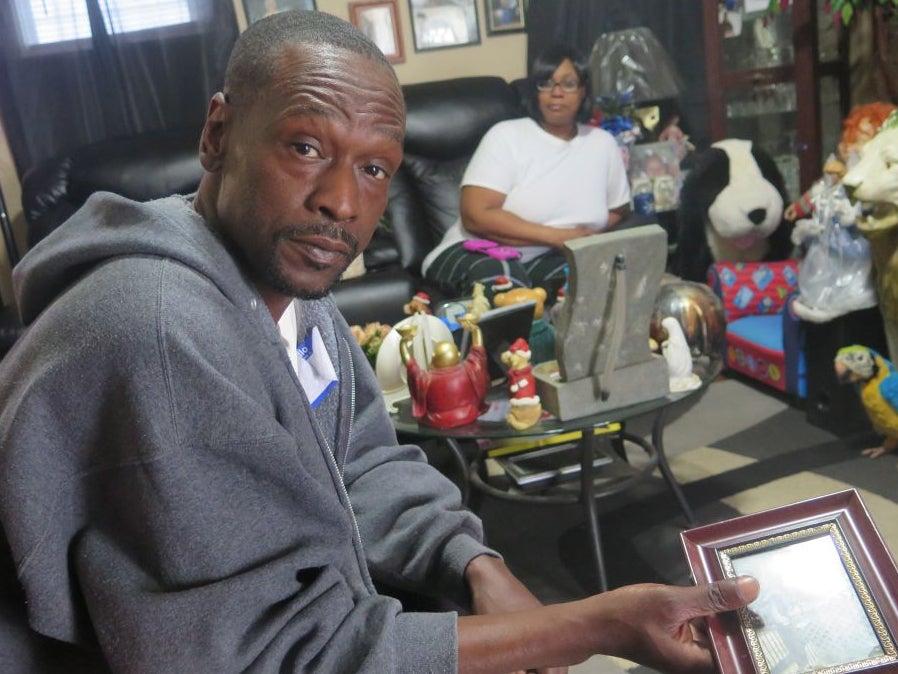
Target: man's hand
(659, 626)
(495, 589)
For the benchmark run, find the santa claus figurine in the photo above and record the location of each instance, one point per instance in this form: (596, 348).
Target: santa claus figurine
(524, 408)
(419, 304)
(450, 393)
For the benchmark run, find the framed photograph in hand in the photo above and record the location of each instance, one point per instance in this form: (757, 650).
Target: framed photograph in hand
(827, 604)
(439, 24)
(380, 22)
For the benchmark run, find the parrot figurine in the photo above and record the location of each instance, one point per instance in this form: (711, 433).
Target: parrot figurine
(877, 383)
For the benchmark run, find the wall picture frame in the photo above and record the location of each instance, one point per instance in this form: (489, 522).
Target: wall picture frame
(827, 602)
(504, 17)
(380, 22)
(441, 24)
(256, 9)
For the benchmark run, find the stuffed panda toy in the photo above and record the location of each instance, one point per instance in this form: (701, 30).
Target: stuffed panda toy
(731, 210)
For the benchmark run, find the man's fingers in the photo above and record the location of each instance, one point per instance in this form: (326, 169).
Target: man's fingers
(726, 595)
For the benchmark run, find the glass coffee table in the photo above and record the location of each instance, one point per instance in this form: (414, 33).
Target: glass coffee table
(603, 468)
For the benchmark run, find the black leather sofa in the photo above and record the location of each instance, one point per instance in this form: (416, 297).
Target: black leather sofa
(446, 120)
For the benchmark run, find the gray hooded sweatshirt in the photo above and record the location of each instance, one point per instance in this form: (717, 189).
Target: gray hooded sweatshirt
(170, 502)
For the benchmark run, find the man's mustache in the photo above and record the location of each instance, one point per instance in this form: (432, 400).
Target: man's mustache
(326, 229)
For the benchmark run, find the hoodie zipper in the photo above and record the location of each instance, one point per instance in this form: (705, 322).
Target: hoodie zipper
(338, 469)
(348, 353)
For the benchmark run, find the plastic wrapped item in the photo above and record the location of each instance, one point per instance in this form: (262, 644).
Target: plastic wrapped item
(655, 168)
(835, 274)
(632, 61)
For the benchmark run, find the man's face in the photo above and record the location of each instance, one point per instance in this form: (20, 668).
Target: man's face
(304, 169)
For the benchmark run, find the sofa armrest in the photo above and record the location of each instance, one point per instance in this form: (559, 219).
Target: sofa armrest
(142, 167)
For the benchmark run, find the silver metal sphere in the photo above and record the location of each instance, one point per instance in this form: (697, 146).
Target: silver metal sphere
(700, 313)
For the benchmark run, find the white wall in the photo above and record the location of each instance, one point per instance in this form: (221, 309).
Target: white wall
(502, 55)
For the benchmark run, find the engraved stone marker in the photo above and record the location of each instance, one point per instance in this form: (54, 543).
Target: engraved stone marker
(603, 359)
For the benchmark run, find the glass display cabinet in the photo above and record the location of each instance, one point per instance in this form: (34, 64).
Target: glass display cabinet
(777, 79)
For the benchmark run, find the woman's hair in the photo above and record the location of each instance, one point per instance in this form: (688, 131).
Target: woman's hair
(545, 65)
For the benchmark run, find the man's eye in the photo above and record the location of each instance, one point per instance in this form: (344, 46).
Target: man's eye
(376, 172)
(307, 150)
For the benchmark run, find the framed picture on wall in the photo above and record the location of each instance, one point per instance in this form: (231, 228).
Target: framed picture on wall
(380, 22)
(438, 24)
(256, 9)
(827, 601)
(504, 16)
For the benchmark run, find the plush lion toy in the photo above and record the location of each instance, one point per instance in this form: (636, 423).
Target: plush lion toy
(874, 181)
(731, 210)
(859, 127)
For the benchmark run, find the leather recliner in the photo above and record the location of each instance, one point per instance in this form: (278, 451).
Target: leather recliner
(446, 120)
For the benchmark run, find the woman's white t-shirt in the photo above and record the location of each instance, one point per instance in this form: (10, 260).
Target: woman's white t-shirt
(548, 180)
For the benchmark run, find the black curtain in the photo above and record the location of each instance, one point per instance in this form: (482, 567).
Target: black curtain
(57, 97)
(676, 23)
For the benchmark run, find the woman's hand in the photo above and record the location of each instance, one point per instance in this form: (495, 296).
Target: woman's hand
(576, 232)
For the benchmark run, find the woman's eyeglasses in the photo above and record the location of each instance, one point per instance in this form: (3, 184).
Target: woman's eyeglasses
(567, 86)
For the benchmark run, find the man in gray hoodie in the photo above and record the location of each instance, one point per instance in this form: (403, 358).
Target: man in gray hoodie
(197, 472)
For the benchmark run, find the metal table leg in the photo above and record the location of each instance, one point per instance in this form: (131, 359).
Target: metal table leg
(459, 457)
(588, 445)
(658, 442)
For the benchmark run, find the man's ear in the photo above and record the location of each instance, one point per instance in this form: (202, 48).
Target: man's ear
(212, 140)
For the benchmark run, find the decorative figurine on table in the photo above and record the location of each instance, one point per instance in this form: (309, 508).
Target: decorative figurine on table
(524, 408)
(479, 303)
(877, 384)
(419, 304)
(500, 284)
(451, 393)
(542, 332)
(678, 354)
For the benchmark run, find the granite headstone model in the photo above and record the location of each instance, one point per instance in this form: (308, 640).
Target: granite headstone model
(603, 359)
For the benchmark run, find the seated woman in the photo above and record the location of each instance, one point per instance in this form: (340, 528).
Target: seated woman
(532, 184)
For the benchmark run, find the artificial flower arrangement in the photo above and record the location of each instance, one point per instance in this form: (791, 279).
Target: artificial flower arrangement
(370, 338)
(617, 115)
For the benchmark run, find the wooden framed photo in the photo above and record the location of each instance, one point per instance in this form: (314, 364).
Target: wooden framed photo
(504, 16)
(439, 24)
(380, 22)
(828, 589)
(256, 9)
